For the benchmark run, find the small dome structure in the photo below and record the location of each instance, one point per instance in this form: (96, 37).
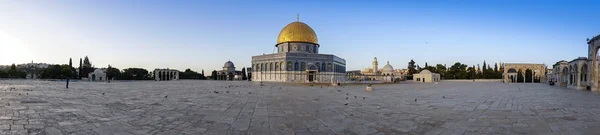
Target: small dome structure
(425, 72)
(387, 68)
(228, 64)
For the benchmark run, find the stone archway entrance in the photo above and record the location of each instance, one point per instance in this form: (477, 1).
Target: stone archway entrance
(523, 68)
(594, 78)
(512, 76)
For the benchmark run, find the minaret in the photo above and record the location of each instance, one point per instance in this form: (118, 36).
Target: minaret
(375, 68)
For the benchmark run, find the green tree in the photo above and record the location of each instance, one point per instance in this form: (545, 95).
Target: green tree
(14, 73)
(87, 67)
(484, 67)
(411, 67)
(441, 69)
(66, 72)
(190, 74)
(203, 77)
(52, 72)
(457, 71)
(214, 75)
(520, 76)
(87, 62)
(80, 69)
(496, 67)
(3, 74)
(134, 74)
(471, 72)
(112, 73)
(244, 74)
(70, 62)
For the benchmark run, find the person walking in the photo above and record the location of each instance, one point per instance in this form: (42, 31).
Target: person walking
(67, 82)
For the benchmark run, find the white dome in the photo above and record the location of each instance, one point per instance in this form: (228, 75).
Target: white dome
(388, 68)
(425, 72)
(228, 64)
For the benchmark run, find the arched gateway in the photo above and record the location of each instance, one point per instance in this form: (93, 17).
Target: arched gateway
(510, 75)
(592, 67)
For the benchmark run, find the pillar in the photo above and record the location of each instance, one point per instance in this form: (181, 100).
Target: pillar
(155, 75)
(524, 79)
(532, 76)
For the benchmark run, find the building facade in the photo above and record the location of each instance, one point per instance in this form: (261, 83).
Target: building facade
(385, 74)
(98, 75)
(580, 73)
(298, 59)
(165, 74)
(426, 76)
(512, 71)
(229, 72)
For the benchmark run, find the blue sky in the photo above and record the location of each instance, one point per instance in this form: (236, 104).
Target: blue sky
(205, 34)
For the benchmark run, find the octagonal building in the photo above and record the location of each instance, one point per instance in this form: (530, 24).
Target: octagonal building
(298, 59)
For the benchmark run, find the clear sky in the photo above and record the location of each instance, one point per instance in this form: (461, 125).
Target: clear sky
(205, 34)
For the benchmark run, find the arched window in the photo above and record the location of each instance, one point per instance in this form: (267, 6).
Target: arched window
(296, 66)
(271, 66)
(276, 66)
(281, 66)
(318, 65)
(329, 67)
(324, 67)
(303, 66)
(290, 66)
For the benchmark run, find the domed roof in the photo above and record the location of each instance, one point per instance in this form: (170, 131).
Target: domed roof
(388, 68)
(425, 72)
(228, 64)
(297, 32)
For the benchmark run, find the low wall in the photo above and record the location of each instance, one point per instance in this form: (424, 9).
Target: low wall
(473, 80)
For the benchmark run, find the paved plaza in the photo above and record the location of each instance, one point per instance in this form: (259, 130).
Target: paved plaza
(241, 107)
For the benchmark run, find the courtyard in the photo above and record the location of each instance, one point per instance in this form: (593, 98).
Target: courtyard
(241, 107)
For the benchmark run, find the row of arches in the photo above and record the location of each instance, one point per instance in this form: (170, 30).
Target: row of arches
(574, 74)
(524, 73)
(165, 75)
(527, 76)
(298, 66)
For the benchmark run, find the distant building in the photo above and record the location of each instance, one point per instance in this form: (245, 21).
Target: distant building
(165, 74)
(298, 59)
(426, 76)
(33, 70)
(98, 75)
(386, 74)
(229, 72)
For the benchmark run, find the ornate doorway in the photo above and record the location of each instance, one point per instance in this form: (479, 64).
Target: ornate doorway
(311, 76)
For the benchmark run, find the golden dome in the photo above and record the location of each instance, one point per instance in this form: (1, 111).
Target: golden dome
(297, 32)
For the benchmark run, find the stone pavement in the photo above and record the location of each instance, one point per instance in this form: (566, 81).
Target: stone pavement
(195, 107)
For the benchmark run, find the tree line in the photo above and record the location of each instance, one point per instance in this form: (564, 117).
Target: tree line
(63, 71)
(12, 72)
(458, 71)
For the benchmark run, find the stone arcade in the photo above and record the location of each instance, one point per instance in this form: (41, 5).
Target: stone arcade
(298, 59)
(582, 72)
(166, 74)
(538, 71)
